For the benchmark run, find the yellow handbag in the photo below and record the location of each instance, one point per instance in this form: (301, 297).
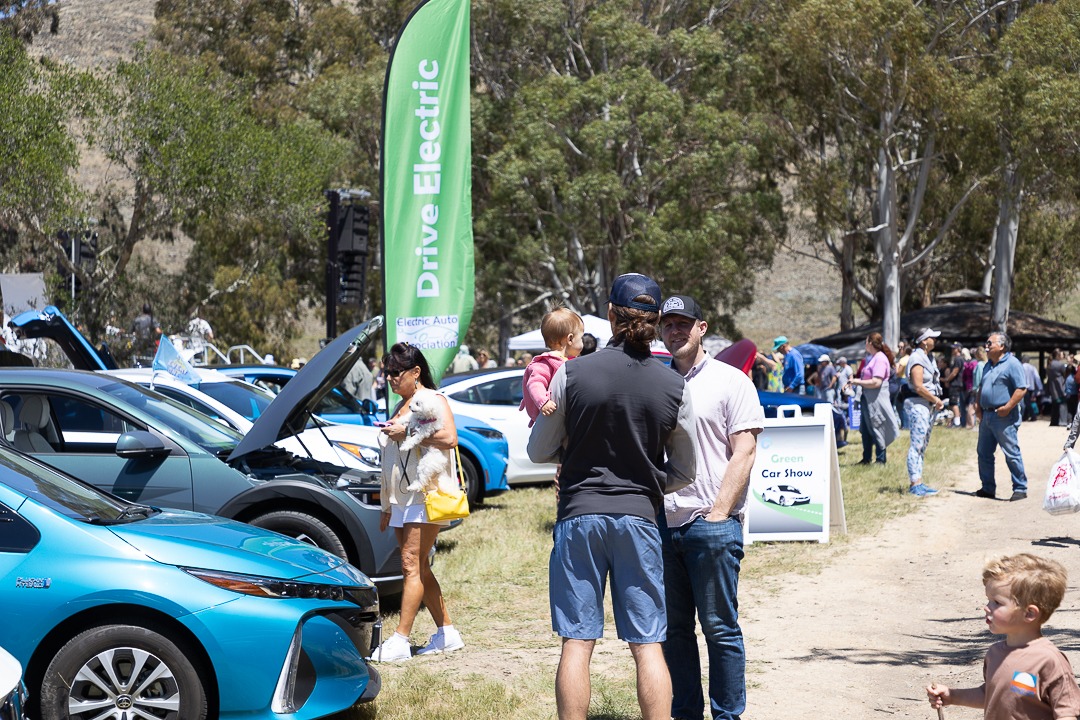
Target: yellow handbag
(443, 506)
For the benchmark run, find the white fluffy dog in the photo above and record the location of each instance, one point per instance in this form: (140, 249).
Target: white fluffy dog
(424, 420)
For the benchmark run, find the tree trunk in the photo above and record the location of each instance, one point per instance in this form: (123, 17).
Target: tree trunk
(887, 239)
(1008, 224)
(847, 273)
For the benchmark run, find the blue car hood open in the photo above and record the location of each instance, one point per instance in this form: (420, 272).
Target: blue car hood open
(201, 541)
(51, 323)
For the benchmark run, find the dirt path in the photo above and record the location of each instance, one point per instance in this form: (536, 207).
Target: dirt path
(862, 638)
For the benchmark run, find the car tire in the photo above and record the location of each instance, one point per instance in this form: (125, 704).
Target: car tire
(783, 501)
(303, 527)
(87, 668)
(472, 474)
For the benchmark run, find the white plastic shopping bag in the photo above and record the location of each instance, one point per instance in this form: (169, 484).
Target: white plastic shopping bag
(1063, 485)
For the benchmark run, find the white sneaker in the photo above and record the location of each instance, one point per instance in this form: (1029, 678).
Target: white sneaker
(445, 640)
(394, 649)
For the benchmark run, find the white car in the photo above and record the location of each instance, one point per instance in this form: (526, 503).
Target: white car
(237, 404)
(784, 495)
(494, 397)
(12, 690)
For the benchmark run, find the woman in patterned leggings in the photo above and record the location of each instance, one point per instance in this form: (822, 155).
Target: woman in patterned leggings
(924, 378)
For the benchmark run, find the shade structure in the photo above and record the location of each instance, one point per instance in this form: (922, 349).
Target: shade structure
(969, 324)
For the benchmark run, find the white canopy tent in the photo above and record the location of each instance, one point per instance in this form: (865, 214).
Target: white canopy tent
(600, 328)
(533, 341)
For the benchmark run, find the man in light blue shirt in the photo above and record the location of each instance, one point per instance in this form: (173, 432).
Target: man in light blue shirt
(1002, 390)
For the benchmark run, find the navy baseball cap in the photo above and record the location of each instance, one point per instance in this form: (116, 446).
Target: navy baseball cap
(682, 305)
(629, 286)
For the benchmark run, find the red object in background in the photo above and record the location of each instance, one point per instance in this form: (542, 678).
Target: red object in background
(740, 355)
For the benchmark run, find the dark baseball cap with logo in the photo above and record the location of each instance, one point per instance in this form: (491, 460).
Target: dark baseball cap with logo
(631, 285)
(682, 305)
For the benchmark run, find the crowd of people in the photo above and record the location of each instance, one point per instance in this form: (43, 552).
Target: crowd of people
(984, 388)
(653, 476)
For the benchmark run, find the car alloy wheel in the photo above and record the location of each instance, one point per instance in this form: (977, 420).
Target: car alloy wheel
(783, 501)
(121, 672)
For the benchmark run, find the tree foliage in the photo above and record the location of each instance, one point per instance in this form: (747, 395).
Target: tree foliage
(628, 146)
(678, 139)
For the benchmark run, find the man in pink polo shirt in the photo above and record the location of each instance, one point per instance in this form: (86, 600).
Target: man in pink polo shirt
(703, 540)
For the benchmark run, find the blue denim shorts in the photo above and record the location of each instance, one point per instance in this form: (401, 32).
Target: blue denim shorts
(590, 548)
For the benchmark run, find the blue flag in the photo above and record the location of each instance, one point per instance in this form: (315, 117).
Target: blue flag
(168, 360)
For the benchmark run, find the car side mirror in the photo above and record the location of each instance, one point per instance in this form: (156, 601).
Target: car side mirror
(139, 444)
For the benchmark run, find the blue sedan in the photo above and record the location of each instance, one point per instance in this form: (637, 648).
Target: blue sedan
(121, 610)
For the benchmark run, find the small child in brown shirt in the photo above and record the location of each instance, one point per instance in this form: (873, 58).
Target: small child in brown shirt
(1025, 677)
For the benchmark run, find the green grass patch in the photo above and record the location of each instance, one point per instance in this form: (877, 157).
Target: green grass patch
(493, 570)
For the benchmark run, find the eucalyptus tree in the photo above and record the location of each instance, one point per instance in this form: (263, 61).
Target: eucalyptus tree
(607, 136)
(189, 152)
(874, 99)
(619, 136)
(1026, 133)
(38, 152)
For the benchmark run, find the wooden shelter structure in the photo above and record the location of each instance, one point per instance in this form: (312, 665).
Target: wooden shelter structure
(969, 324)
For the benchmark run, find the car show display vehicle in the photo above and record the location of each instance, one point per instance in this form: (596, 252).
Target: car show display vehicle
(484, 449)
(338, 405)
(125, 610)
(239, 405)
(146, 448)
(494, 396)
(314, 391)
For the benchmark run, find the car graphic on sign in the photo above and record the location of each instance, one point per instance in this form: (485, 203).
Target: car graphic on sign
(784, 495)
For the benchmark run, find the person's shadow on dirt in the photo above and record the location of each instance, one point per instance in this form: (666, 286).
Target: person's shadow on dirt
(1056, 542)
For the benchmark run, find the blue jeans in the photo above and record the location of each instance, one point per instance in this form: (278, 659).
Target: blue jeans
(995, 431)
(701, 573)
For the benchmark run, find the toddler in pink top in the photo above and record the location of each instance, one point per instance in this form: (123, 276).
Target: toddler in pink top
(562, 330)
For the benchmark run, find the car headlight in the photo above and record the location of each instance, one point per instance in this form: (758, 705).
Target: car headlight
(489, 433)
(366, 453)
(285, 589)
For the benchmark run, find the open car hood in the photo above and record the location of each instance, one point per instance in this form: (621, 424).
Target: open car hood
(288, 414)
(51, 323)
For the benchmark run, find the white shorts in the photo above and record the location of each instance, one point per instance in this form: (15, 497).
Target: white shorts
(416, 513)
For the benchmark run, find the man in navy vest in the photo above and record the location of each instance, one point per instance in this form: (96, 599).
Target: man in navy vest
(623, 429)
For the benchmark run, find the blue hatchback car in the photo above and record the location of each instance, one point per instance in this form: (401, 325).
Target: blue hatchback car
(120, 610)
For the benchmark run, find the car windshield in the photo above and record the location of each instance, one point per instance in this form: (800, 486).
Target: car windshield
(213, 437)
(339, 402)
(240, 397)
(58, 492)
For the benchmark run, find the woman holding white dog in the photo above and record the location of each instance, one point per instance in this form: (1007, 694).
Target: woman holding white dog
(407, 373)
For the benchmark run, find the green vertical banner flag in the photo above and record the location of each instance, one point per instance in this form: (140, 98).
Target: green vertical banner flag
(427, 183)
